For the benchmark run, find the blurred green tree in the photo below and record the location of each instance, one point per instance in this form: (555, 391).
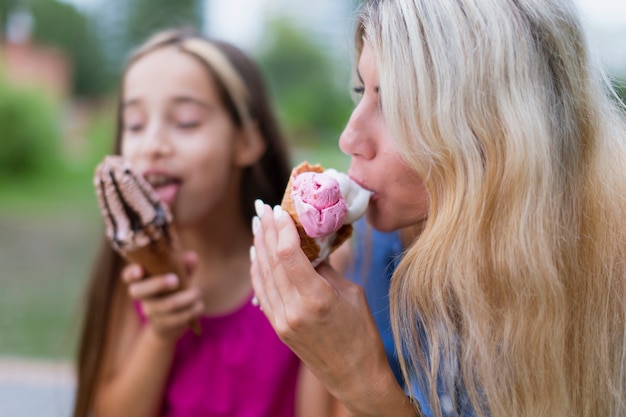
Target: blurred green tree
(6, 7)
(147, 16)
(30, 133)
(62, 25)
(126, 24)
(312, 104)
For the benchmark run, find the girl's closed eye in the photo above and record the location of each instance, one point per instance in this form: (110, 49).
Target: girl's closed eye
(188, 124)
(188, 116)
(133, 117)
(133, 124)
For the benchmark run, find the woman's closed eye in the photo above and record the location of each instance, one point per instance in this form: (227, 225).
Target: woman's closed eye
(357, 93)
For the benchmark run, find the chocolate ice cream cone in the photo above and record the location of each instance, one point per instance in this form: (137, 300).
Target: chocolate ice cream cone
(138, 223)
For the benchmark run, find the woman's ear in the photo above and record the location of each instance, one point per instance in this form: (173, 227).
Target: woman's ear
(250, 146)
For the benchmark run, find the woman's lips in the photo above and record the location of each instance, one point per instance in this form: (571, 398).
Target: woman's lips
(362, 185)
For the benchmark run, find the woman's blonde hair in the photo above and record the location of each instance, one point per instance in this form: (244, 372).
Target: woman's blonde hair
(515, 292)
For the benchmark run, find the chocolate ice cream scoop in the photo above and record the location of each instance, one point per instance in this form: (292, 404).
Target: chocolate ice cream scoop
(133, 213)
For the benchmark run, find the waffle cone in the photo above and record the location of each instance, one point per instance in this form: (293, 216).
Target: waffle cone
(163, 257)
(308, 244)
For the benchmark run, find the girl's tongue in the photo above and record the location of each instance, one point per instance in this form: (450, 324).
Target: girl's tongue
(168, 192)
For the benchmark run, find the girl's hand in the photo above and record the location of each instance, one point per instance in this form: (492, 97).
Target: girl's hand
(320, 315)
(167, 309)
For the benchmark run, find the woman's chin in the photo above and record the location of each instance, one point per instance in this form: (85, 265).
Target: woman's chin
(378, 221)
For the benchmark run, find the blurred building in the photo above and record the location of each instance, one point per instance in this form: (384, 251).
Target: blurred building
(22, 62)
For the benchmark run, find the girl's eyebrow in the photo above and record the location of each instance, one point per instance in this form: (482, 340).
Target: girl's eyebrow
(130, 103)
(186, 99)
(178, 100)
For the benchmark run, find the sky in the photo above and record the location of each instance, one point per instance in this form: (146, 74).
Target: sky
(605, 20)
(606, 13)
(603, 12)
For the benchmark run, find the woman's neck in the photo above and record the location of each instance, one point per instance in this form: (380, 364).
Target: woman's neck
(408, 234)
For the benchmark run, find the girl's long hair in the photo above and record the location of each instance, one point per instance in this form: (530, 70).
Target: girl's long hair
(245, 96)
(515, 293)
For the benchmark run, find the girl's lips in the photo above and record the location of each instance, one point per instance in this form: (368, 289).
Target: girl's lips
(164, 183)
(167, 193)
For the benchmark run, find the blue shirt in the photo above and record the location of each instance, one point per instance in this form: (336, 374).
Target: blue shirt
(376, 256)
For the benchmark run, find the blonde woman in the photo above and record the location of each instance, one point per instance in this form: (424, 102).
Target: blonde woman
(485, 127)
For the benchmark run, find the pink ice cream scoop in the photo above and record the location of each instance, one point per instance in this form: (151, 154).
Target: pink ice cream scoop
(319, 203)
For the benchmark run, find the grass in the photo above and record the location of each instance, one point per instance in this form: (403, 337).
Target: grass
(49, 230)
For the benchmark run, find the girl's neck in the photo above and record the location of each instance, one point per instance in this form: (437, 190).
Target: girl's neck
(223, 268)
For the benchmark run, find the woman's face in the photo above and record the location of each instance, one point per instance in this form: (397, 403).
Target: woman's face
(177, 133)
(399, 196)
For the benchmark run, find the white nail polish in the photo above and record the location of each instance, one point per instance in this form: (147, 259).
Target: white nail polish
(252, 253)
(259, 206)
(256, 225)
(278, 212)
(255, 301)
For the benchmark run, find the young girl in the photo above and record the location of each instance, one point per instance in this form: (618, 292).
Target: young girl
(195, 120)
(484, 127)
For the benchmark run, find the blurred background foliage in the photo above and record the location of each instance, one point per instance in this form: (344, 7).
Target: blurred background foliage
(314, 104)
(50, 143)
(49, 220)
(31, 133)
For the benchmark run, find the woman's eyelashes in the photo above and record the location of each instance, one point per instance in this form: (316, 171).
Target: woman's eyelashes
(357, 93)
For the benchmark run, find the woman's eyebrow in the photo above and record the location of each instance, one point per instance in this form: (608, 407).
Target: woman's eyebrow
(358, 74)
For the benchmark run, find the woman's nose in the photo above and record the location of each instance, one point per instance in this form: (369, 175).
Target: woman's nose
(356, 138)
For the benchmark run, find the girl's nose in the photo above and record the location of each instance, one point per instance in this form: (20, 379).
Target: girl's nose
(356, 138)
(156, 142)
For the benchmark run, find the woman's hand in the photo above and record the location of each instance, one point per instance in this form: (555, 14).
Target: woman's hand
(167, 309)
(320, 315)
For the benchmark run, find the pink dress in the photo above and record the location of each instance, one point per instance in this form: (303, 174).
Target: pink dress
(238, 367)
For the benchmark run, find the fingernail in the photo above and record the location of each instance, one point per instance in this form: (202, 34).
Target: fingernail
(255, 301)
(256, 224)
(259, 206)
(171, 279)
(278, 212)
(136, 272)
(252, 253)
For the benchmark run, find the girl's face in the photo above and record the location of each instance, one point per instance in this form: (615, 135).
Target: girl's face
(400, 198)
(178, 134)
